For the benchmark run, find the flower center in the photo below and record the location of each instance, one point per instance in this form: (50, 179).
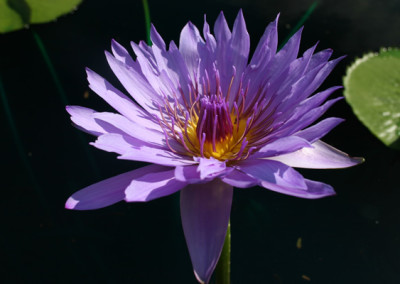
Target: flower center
(206, 125)
(214, 121)
(214, 131)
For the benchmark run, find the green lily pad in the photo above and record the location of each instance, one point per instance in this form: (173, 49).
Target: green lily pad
(17, 14)
(372, 88)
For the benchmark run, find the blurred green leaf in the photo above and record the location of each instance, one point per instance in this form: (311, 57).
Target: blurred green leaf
(372, 88)
(16, 14)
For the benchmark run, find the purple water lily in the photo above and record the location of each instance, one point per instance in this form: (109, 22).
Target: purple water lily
(208, 119)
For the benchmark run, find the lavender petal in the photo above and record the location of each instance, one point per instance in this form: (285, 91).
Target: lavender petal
(107, 192)
(281, 146)
(119, 101)
(321, 156)
(136, 85)
(156, 156)
(114, 122)
(238, 179)
(272, 173)
(205, 211)
(153, 185)
(319, 130)
(83, 118)
(189, 41)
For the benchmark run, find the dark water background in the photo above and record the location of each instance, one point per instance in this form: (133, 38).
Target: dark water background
(353, 237)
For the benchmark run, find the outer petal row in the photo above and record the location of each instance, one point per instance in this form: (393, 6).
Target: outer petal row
(115, 189)
(321, 156)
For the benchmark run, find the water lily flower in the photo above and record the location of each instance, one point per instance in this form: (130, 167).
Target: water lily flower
(209, 118)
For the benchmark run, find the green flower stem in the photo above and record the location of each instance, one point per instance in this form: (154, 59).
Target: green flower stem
(302, 20)
(147, 19)
(223, 269)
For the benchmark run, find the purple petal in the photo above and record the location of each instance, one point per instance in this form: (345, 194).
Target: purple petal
(147, 62)
(210, 168)
(319, 130)
(159, 76)
(121, 54)
(321, 156)
(205, 211)
(83, 118)
(221, 29)
(145, 58)
(189, 41)
(188, 174)
(107, 192)
(320, 57)
(153, 185)
(156, 38)
(207, 53)
(117, 143)
(317, 99)
(294, 94)
(291, 89)
(222, 53)
(156, 156)
(299, 110)
(301, 119)
(236, 55)
(314, 190)
(322, 74)
(171, 62)
(281, 146)
(267, 46)
(272, 173)
(286, 55)
(206, 170)
(238, 179)
(240, 43)
(129, 127)
(135, 84)
(211, 43)
(119, 101)
(305, 85)
(258, 68)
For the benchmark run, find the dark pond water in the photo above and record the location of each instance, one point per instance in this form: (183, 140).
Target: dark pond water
(353, 237)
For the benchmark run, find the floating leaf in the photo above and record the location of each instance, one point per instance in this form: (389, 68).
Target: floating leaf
(372, 88)
(16, 14)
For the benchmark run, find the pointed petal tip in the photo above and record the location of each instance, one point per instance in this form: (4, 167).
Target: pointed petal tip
(357, 160)
(71, 203)
(201, 281)
(335, 88)
(336, 60)
(108, 55)
(221, 17)
(152, 29)
(90, 74)
(116, 47)
(240, 19)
